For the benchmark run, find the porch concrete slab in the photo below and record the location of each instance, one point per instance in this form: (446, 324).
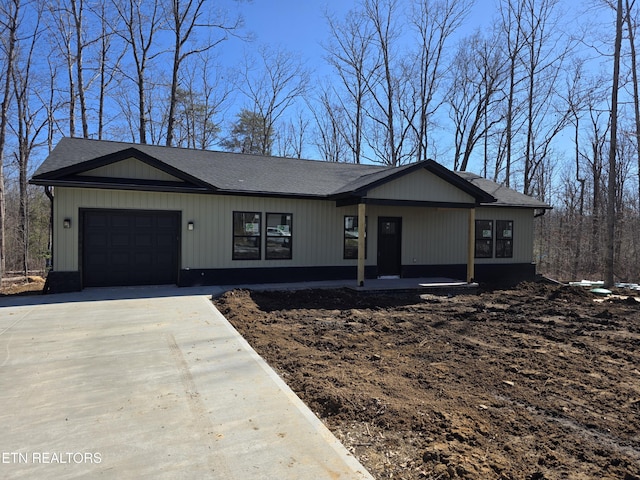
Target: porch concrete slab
(442, 285)
(148, 383)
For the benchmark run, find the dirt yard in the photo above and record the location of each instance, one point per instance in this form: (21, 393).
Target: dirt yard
(537, 382)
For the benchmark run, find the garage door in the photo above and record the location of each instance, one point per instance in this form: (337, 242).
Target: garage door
(130, 247)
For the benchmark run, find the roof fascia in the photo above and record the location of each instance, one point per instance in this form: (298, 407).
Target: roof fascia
(447, 175)
(430, 165)
(131, 152)
(156, 186)
(345, 202)
(394, 174)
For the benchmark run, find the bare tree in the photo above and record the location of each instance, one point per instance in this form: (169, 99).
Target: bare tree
(69, 24)
(545, 53)
(434, 22)
(200, 105)
(108, 61)
(575, 105)
(595, 158)
(291, 139)
(9, 15)
(348, 53)
(478, 75)
(29, 123)
(187, 16)
(511, 12)
(62, 37)
(631, 30)
(272, 83)
(77, 13)
(611, 204)
(330, 123)
(383, 82)
(141, 21)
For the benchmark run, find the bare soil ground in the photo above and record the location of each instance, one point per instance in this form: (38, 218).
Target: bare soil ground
(536, 382)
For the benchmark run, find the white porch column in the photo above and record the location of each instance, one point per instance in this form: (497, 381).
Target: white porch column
(472, 246)
(362, 211)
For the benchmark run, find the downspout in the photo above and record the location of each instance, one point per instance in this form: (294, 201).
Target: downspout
(362, 211)
(471, 246)
(49, 193)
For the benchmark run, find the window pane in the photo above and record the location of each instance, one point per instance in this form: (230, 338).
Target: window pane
(351, 237)
(484, 229)
(246, 235)
(504, 248)
(246, 248)
(504, 238)
(483, 248)
(388, 228)
(350, 248)
(484, 239)
(246, 223)
(504, 229)
(279, 236)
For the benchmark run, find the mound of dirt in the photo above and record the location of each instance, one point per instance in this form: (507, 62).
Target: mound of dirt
(536, 382)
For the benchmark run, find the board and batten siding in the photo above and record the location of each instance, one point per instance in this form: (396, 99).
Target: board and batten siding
(430, 236)
(421, 185)
(131, 168)
(523, 232)
(317, 231)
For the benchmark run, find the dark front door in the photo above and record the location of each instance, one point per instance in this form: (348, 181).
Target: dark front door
(389, 246)
(130, 247)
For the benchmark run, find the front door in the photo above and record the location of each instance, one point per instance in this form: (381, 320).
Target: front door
(389, 246)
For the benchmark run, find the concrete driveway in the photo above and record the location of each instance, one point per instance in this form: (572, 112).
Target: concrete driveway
(148, 383)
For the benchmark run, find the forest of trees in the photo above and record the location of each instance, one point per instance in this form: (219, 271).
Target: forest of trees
(544, 100)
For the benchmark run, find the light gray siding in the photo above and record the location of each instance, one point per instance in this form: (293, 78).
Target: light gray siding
(131, 168)
(317, 226)
(522, 232)
(421, 186)
(430, 236)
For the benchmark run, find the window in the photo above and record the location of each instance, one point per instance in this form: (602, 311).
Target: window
(484, 239)
(504, 238)
(246, 235)
(279, 236)
(351, 237)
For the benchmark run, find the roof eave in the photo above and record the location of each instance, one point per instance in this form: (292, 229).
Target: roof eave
(445, 174)
(131, 152)
(115, 184)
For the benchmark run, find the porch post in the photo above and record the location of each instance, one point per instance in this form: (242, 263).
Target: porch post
(362, 210)
(471, 246)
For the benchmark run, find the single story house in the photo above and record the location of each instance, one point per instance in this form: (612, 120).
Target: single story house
(128, 214)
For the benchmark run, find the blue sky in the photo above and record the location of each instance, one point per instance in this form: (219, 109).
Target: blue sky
(300, 25)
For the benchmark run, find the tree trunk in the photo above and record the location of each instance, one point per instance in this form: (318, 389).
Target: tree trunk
(611, 197)
(12, 27)
(77, 10)
(636, 95)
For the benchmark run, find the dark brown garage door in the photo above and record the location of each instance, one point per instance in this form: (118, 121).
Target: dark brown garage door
(130, 247)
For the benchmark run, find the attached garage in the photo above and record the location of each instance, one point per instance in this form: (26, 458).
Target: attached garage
(129, 247)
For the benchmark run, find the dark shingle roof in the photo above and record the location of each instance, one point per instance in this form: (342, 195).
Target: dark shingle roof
(505, 197)
(222, 170)
(254, 174)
